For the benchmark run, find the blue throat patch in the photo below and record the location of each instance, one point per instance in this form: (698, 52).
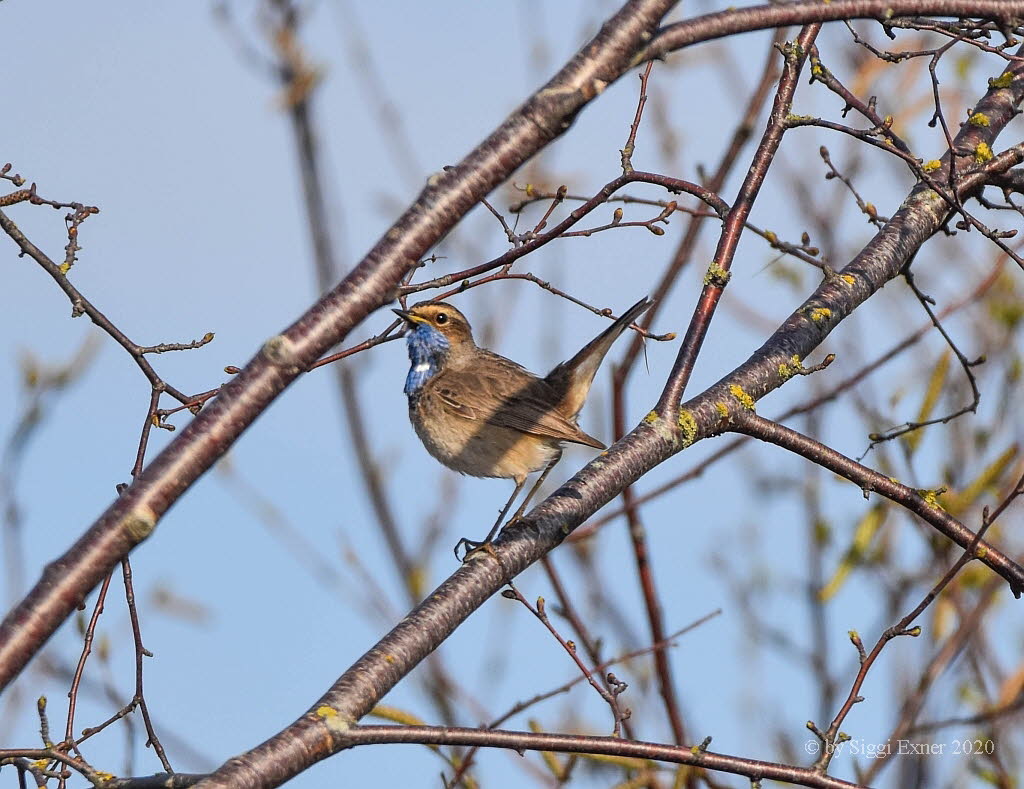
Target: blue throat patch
(427, 351)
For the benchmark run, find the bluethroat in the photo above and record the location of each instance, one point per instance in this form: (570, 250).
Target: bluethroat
(484, 415)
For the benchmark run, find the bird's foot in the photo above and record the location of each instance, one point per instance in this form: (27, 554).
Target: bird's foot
(472, 547)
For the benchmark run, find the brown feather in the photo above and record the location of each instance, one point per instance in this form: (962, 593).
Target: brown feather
(485, 393)
(485, 415)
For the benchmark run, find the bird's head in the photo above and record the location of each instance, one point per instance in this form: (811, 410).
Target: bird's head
(436, 332)
(428, 319)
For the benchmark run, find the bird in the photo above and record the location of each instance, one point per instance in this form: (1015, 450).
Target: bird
(487, 416)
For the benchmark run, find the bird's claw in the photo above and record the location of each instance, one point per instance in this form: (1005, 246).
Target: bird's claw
(472, 547)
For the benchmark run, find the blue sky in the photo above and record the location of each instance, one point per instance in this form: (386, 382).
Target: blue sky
(154, 114)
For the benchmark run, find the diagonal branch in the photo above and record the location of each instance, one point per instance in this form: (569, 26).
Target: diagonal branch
(323, 730)
(448, 196)
(924, 505)
(719, 271)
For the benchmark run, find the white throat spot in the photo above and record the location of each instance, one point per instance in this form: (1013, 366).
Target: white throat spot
(422, 367)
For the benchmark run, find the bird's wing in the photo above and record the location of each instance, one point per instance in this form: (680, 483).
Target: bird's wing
(518, 401)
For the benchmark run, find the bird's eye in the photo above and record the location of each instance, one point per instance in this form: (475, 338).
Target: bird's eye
(442, 318)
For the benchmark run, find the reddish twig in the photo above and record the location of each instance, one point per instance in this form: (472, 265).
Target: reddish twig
(630, 146)
(611, 695)
(795, 55)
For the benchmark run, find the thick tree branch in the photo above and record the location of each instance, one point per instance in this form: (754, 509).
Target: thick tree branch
(448, 196)
(321, 731)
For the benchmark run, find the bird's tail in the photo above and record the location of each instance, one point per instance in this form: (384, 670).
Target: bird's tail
(573, 378)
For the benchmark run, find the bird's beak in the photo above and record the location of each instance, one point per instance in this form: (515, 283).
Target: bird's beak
(408, 317)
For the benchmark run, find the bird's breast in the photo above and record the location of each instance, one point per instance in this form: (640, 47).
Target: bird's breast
(473, 447)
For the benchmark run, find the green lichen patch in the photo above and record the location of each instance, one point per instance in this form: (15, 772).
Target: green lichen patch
(688, 427)
(793, 367)
(819, 314)
(717, 275)
(744, 399)
(931, 497)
